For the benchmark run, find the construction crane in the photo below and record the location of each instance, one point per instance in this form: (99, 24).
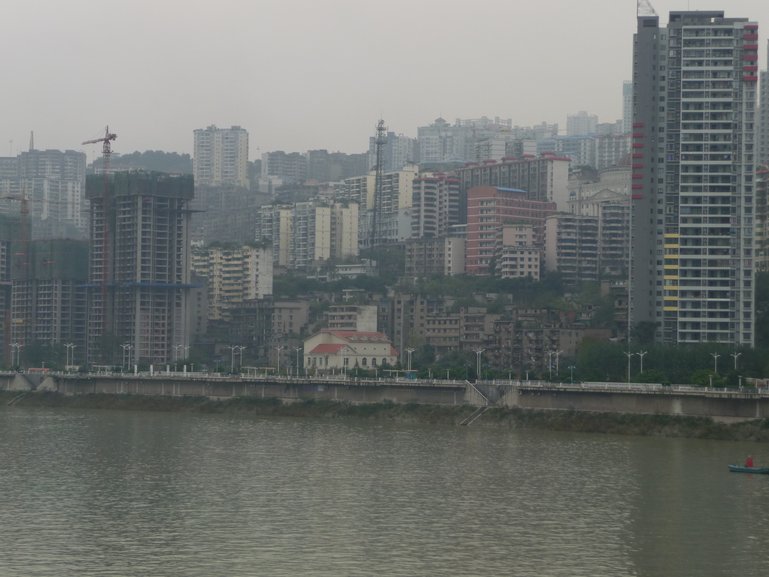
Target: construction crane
(106, 150)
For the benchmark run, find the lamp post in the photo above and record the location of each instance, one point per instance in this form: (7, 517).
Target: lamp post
(642, 354)
(549, 365)
(408, 362)
(70, 350)
(478, 353)
(571, 373)
(297, 350)
(16, 347)
(735, 355)
(279, 348)
(629, 356)
(127, 347)
(233, 349)
(557, 366)
(715, 362)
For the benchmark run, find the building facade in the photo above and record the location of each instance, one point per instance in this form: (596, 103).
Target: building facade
(233, 274)
(694, 93)
(488, 209)
(221, 157)
(544, 178)
(139, 269)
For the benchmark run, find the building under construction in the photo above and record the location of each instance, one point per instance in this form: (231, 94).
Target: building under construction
(48, 307)
(139, 271)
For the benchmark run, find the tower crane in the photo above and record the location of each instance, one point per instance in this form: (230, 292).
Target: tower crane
(106, 148)
(106, 307)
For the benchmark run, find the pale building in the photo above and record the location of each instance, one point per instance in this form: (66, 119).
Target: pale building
(581, 124)
(694, 93)
(571, 247)
(233, 274)
(342, 351)
(435, 204)
(220, 156)
(361, 318)
(544, 178)
(54, 183)
(518, 256)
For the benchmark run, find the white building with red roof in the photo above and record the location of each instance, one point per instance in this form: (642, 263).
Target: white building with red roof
(331, 350)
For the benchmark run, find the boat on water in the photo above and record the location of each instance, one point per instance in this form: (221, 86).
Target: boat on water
(743, 469)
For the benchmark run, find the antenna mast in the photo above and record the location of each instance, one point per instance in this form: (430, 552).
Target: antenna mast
(381, 140)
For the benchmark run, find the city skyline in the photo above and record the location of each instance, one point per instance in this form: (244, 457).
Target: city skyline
(321, 81)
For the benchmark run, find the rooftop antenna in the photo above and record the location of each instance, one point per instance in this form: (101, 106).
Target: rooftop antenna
(31, 140)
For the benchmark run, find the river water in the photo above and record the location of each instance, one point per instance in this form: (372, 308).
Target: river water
(172, 494)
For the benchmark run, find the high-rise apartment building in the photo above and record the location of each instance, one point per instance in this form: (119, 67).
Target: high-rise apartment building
(48, 302)
(488, 209)
(627, 106)
(544, 178)
(762, 128)
(581, 124)
(435, 204)
(306, 234)
(398, 151)
(234, 274)
(139, 270)
(694, 93)
(571, 247)
(221, 157)
(53, 181)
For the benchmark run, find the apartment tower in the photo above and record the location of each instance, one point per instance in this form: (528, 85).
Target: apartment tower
(694, 93)
(139, 271)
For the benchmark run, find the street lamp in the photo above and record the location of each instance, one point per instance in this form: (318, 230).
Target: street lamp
(127, 347)
(735, 355)
(642, 354)
(239, 349)
(408, 352)
(298, 350)
(16, 347)
(478, 353)
(279, 348)
(70, 350)
(571, 373)
(715, 362)
(557, 367)
(550, 365)
(629, 356)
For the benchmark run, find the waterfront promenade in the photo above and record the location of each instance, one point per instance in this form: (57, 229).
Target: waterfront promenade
(615, 397)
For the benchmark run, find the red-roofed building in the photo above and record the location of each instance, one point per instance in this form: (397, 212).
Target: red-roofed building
(331, 350)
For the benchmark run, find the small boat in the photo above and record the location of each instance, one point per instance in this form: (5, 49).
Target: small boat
(743, 469)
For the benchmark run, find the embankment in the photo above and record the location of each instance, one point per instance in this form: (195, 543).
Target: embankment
(509, 418)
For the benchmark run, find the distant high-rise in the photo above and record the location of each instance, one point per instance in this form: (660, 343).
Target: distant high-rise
(54, 183)
(139, 270)
(581, 124)
(221, 157)
(692, 260)
(627, 105)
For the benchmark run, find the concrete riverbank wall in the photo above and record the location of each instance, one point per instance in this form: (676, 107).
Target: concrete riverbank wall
(585, 397)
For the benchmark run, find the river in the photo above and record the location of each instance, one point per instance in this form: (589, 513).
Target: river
(88, 492)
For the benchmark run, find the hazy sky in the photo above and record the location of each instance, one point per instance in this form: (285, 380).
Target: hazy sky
(306, 74)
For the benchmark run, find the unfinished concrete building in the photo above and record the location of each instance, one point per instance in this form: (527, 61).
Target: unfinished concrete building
(48, 302)
(139, 271)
